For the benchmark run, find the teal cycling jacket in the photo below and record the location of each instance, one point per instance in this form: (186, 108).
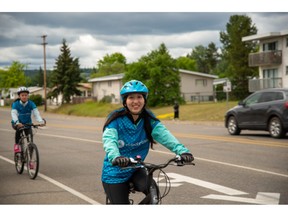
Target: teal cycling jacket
(21, 112)
(124, 138)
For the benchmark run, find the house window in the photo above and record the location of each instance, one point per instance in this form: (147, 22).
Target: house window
(270, 46)
(201, 82)
(270, 73)
(286, 70)
(287, 42)
(109, 83)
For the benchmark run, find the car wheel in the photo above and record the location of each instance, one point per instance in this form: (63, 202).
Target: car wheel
(275, 128)
(232, 126)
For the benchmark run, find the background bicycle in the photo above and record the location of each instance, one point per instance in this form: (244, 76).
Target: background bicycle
(155, 195)
(29, 152)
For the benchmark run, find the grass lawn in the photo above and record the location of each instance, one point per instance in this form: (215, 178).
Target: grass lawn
(188, 112)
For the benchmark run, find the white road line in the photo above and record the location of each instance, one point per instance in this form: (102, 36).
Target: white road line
(170, 153)
(228, 164)
(73, 138)
(205, 184)
(62, 186)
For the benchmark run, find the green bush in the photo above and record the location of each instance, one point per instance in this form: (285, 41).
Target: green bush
(37, 99)
(106, 99)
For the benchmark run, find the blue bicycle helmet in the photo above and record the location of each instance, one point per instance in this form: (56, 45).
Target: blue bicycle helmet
(133, 86)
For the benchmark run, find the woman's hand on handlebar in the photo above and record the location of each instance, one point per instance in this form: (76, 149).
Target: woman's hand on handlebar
(187, 157)
(121, 161)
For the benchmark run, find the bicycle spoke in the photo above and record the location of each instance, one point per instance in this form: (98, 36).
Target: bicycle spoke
(19, 162)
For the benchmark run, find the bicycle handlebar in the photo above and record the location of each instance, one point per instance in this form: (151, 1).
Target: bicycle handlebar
(31, 125)
(138, 163)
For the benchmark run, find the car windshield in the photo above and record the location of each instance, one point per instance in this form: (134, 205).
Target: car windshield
(252, 99)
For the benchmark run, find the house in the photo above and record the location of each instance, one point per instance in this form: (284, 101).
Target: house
(194, 86)
(12, 92)
(84, 88)
(272, 60)
(107, 86)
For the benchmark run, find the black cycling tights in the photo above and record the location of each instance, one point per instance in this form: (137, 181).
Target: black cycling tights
(17, 134)
(119, 193)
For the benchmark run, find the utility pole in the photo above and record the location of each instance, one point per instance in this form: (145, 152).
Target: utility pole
(44, 49)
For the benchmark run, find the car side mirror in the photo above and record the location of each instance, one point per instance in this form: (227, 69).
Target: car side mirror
(241, 103)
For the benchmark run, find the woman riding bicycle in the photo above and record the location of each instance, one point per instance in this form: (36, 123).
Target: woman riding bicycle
(22, 109)
(128, 132)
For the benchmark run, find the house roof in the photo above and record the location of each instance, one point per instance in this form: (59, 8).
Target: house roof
(198, 73)
(220, 81)
(108, 78)
(85, 85)
(265, 35)
(34, 89)
(121, 75)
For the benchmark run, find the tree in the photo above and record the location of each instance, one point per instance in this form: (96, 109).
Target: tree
(13, 77)
(66, 75)
(110, 64)
(206, 58)
(38, 78)
(159, 72)
(186, 63)
(212, 57)
(236, 53)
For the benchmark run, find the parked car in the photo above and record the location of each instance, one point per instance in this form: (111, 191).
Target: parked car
(265, 110)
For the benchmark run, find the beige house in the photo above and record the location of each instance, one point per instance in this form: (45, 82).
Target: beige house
(272, 60)
(194, 86)
(107, 86)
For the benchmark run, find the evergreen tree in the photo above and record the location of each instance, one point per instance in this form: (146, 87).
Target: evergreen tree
(236, 53)
(66, 75)
(206, 58)
(38, 78)
(198, 54)
(159, 72)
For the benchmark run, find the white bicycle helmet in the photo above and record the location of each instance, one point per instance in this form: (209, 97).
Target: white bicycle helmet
(22, 89)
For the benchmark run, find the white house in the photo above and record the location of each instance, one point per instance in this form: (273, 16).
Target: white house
(194, 86)
(272, 60)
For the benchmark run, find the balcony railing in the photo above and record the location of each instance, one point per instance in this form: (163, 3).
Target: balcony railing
(258, 84)
(265, 58)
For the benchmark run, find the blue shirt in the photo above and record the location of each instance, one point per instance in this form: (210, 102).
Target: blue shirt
(124, 138)
(21, 112)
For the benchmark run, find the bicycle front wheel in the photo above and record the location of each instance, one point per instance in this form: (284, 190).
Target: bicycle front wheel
(32, 160)
(19, 162)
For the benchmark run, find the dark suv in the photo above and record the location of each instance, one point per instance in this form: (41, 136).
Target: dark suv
(265, 110)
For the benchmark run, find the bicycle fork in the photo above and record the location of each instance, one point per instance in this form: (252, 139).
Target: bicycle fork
(154, 194)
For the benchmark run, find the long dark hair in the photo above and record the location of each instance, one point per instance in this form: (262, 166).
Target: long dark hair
(145, 114)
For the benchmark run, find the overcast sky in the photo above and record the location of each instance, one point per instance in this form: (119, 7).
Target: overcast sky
(91, 36)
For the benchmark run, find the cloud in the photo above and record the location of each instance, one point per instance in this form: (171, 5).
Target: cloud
(90, 36)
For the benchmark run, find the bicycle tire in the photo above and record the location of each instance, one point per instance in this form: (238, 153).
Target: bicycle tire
(32, 160)
(19, 162)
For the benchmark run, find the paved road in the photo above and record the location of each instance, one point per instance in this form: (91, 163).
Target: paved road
(246, 169)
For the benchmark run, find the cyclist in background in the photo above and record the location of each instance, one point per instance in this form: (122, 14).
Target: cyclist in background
(128, 132)
(22, 109)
